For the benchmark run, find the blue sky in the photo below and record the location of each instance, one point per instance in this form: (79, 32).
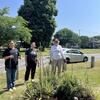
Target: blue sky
(77, 15)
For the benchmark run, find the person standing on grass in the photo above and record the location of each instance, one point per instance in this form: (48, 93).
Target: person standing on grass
(31, 61)
(11, 55)
(56, 57)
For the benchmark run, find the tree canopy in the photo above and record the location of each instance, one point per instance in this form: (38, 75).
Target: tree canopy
(84, 41)
(13, 29)
(41, 17)
(4, 11)
(67, 37)
(97, 37)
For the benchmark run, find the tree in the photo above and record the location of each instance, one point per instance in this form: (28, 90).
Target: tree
(67, 37)
(40, 15)
(13, 28)
(4, 11)
(97, 37)
(84, 41)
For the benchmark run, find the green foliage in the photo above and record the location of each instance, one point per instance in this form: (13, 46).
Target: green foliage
(42, 89)
(40, 15)
(71, 88)
(19, 31)
(84, 41)
(4, 11)
(67, 37)
(64, 87)
(97, 37)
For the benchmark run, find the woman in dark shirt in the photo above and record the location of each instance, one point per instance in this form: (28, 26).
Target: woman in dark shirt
(31, 61)
(11, 55)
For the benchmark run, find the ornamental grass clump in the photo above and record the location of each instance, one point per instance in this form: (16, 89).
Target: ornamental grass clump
(42, 89)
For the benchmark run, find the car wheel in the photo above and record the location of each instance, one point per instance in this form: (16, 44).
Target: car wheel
(85, 59)
(68, 60)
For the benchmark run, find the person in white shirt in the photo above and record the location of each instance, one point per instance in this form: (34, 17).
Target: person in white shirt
(56, 57)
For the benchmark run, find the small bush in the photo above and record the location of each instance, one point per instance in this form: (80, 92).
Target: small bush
(71, 88)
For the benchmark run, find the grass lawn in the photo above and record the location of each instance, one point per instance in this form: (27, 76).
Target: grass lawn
(20, 88)
(90, 51)
(91, 76)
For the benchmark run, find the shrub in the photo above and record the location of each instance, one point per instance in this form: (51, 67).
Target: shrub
(71, 88)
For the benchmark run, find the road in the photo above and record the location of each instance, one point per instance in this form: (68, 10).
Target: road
(45, 60)
(21, 64)
(97, 57)
(2, 66)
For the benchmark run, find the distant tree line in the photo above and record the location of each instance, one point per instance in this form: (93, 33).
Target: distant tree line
(70, 39)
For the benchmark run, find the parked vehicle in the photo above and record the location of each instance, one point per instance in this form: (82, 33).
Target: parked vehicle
(74, 55)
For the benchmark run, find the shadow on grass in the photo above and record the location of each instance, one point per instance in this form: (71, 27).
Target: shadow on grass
(6, 90)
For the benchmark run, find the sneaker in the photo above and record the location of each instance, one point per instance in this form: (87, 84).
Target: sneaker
(32, 80)
(26, 81)
(11, 90)
(14, 88)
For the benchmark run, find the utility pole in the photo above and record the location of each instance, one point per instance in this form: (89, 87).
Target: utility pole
(79, 37)
(79, 32)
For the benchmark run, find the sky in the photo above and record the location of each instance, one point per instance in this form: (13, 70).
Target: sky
(80, 16)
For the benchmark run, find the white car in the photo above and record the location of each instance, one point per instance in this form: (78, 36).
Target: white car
(74, 55)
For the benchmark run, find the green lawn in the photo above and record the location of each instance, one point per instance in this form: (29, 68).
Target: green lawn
(20, 88)
(90, 51)
(91, 76)
(81, 70)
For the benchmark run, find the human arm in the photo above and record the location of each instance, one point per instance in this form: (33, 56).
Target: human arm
(26, 54)
(62, 54)
(25, 60)
(37, 58)
(51, 54)
(61, 51)
(19, 56)
(6, 55)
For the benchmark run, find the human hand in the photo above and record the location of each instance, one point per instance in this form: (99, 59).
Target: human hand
(19, 57)
(11, 56)
(37, 62)
(65, 61)
(26, 64)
